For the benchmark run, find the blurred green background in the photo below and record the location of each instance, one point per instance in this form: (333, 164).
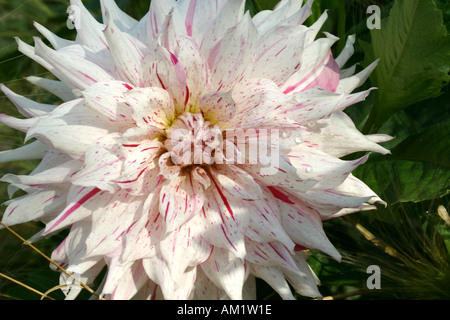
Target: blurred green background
(408, 240)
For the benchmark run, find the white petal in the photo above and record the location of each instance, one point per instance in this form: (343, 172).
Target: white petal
(89, 30)
(27, 107)
(31, 151)
(275, 278)
(70, 128)
(304, 285)
(226, 271)
(56, 87)
(327, 170)
(74, 71)
(120, 18)
(339, 137)
(56, 42)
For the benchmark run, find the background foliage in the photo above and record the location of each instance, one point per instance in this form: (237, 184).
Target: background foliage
(409, 239)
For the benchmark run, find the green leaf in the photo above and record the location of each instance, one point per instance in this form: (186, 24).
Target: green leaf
(417, 170)
(265, 4)
(414, 51)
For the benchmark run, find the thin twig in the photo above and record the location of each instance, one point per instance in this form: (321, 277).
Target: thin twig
(25, 286)
(371, 237)
(50, 260)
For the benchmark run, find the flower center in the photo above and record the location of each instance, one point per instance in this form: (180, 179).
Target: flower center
(192, 140)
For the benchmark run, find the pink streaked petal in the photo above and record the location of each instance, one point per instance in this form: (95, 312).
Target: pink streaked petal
(329, 171)
(199, 14)
(183, 248)
(237, 182)
(136, 135)
(126, 51)
(140, 156)
(27, 107)
(23, 125)
(275, 278)
(82, 205)
(196, 70)
(269, 254)
(56, 87)
(124, 282)
(107, 99)
(103, 164)
(339, 137)
(229, 14)
(326, 77)
(305, 285)
(352, 194)
(180, 200)
(287, 12)
(317, 103)
(257, 102)
(217, 106)
(264, 225)
(225, 219)
(163, 69)
(304, 226)
(110, 11)
(31, 151)
(231, 58)
(315, 57)
(107, 237)
(159, 10)
(285, 175)
(227, 271)
(142, 182)
(35, 206)
(150, 107)
(60, 174)
(143, 235)
(278, 54)
(158, 271)
(89, 30)
(74, 71)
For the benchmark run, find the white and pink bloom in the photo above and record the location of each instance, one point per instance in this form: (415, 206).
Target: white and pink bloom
(141, 163)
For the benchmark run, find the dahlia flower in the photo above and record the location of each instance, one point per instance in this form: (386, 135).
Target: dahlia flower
(194, 150)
